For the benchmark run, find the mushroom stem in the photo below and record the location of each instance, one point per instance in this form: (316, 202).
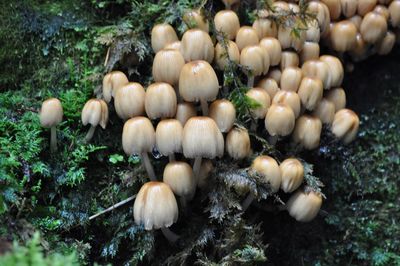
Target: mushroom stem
(178, 95)
(204, 107)
(171, 157)
(107, 57)
(90, 133)
(246, 203)
(250, 81)
(147, 164)
(53, 139)
(171, 236)
(196, 169)
(273, 140)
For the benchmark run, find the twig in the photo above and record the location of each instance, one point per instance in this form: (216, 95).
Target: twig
(113, 207)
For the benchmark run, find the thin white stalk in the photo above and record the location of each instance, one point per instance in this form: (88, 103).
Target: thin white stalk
(196, 169)
(90, 133)
(171, 236)
(171, 157)
(113, 207)
(204, 107)
(147, 165)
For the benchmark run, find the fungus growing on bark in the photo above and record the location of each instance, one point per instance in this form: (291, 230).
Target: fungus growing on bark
(201, 139)
(50, 115)
(223, 113)
(155, 207)
(184, 111)
(95, 112)
(274, 49)
(197, 45)
(307, 131)
(246, 36)
(167, 66)
(345, 125)
(221, 56)
(161, 36)
(139, 138)
(227, 22)
(256, 59)
(169, 134)
(112, 82)
(238, 143)
(160, 101)
(129, 100)
(304, 206)
(198, 82)
(292, 174)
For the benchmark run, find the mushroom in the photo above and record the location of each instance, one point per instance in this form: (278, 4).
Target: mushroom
(161, 36)
(279, 121)
(394, 11)
(112, 82)
(292, 174)
(275, 74)
(291, 78)
(386, 45)
(227, 22)
(179, 176)
(194, 19)
(325, 111)
(138, 137)
(256, 59)
(184, 111)
(382, 10)
(269, 85)
(129, 100)
(357, 21)
(205, 170)
(238, 143)
(317, 69)
(310, 51)
(246, 36)
(274, 49)
(335, 69)
(197, 45)
(310, 92)
(307, 131)
(321, 13)
(169, 137)
(349, 7)
(312, 32)
(338, 97)
(198, 82)
(95, 112)
(365, 6)
(289, 98)
(373, 27)
(289, 40)
(221, 55)
(160, 101)
(223, 113)
(265, 27)
(304, 206)
(268, 169)
(334, 8)
(289, 59)
(167, 66)
(261, 96)
(155, 207)
(201, 139)
(345, 125)
(50, 115)
(343, 36)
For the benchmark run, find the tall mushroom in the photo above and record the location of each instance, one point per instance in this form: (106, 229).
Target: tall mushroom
(155, 207)
(50, 115)
(161, 36)
(160, 101)
(197, 45)
(112, 82)
(167, 66)
(227, 22)
(95, 112)
(256, 60)
(169, 137)
(201, 139)
(138, 137)
(246, 36)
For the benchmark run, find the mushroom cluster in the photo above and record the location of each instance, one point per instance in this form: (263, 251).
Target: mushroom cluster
(183, 115)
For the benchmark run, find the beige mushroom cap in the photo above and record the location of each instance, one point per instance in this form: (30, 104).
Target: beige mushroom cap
(307, 131)
(246, 36)
(265, 27)
(310, 92)
(274, 49)
(95, 112)
(289, 98)
(288, 40)
(394, 11)
(51, 113)
(179, 176)
(310, 52)
(261, 96)
(345, 125)
(289, 59)
(129, 100)
(138, 136)
(269, 85)
(238, 143)
(280, 120)
(291, 78)
(223, 113)
(155, 206)
(184, 111)
(162, 35)
(349, 7)
(227, 22)
(160, 101)
(194, 19)
(112, 82)
(167, 66)
(303, 206)
(318, 69)
(325, 111)
(202, 138)
(197, 45)
(169, 134)
(255, 58)
(338, 97)
(373, 27)
(292, 174)
(268, 168)
(221, 56)
(335, 68)
(365, 6)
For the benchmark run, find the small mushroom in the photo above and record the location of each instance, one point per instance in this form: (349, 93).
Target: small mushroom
(365, 6)
(307, 131)
(279, 121)
(394, 11)
(167, 66)
(343, 36)
(334, 8)
(373, 27)
(261, 96)
(162, 35)
(221, 55)
(256, 59)
(139, 138)
(321, 13)
(169, 137)
(223, 113)
(310, 92)
(289, 98)
(345, 125)
(160, 101)
(194, 19)
(386, 45)
(289, 40)
(274, 49)
(184, 111)
(269, 85)
(238, 143)
(95, 112)
(264, 26)
(197, 45)
(325, 111)
(112, 82)
(246, 36)
(129, 100)
(310, 51)
(335, 69)
(155, 207)
(227, 22)
(198, 82)
(304, 206)
(291, 78)
(312, 32)
(292, 174)
(289, 59)
(50, 115)
(338, 97)
(317, 69)
(201, 139)
(349, 7)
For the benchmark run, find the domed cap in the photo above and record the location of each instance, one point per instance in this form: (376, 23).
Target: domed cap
(345, 125)
(184, 111)
(138, 136)
(289, 98)
(261, 96)
(51, 113)
(169, 134)
(394, 11)
(310, 52)
(304, 206)
(288, 40)
(275, 74)
(338, 97)
(289, 59)
(202, 138)
(194, 19)
(197, 45)
(325, 111)
(160, 101)
(279, 120)
(307, 132)
(335, 69)
(334, 8)
(227, 22)
(198, 81)
(274, 49)
(268, 168)
(317, 69)
(95, 112)
(322, 15)
(365, 6)
(313, 32)
(167, 66)
(349, 7)
(246, 36)
(310, 92)
(223, 113)
(155, 206)
(129, 100)
(269, 85)
(112, 82)
(255, 58)
(265, 27)
(291, 78)
(238, 143)
(386, 45)
(292, 174)
(162, 35)
(373, 27)
(179, 176)
(221, 56)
